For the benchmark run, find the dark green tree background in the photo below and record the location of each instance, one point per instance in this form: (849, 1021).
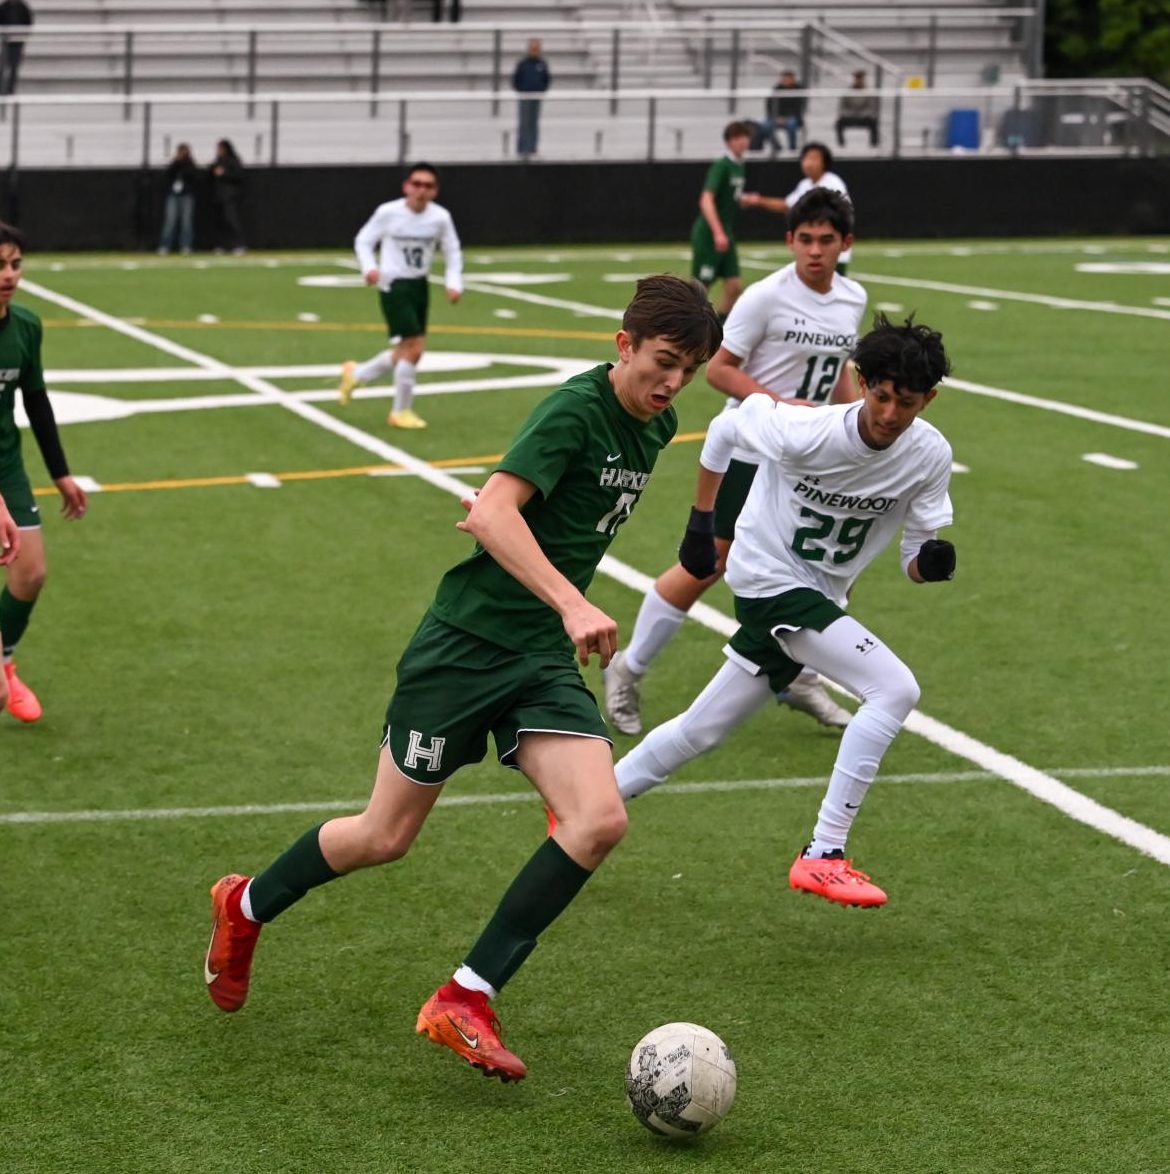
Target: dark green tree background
(1108, 38)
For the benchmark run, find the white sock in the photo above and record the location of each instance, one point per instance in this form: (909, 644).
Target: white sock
(731, 696)
(864, 742)
(374, 368)
(654, 629)
(246, 903)
(469, 980)
(403, 385)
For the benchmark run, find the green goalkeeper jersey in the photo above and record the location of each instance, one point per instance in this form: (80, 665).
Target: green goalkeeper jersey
(590, 461)
(20, 366)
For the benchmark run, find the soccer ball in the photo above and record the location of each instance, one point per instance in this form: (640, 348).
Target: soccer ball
(681, 1080)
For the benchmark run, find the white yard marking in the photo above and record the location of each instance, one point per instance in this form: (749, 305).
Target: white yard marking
(503, 291)
(307, 316)
(1052, 405)
(1139, 268)
(979, 304)
(717, 786)
(209, 319)
(504, 313)
(518, 278)
(408, 473)
(957, 468)
(263, 480)
(87, 483)
(889, 307)
(1107, 462)
(1037, 783)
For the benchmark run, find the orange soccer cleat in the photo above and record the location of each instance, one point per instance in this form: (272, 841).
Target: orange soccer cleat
(227, 968)
(22, 701)
(464, 1021)
(834, 878)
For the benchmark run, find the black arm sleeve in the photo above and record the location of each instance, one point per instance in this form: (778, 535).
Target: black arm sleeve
(44, 428)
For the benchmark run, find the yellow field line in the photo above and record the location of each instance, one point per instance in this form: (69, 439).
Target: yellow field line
(310, 474)
(343, 327)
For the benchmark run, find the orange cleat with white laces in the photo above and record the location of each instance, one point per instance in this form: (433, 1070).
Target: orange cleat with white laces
(227, 969)
(22, 701)
(834, 878)
(464, 1021)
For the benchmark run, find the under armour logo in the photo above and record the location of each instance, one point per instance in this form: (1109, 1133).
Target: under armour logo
(812, 480)
(866, 646)
(416, 750)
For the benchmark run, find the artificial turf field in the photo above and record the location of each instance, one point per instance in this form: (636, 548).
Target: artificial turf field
(217, 644)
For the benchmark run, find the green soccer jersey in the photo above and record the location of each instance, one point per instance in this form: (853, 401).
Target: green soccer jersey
(20, 366)
(725, 180)
(590, 460)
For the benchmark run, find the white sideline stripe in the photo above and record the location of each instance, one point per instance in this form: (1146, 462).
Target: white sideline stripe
(504, 291)
(408, 473)
(263, 480)
(1035, 782)
(25, 818)
(1053, 405)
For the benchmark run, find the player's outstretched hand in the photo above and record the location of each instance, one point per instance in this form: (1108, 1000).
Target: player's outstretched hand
(9, 538)
(73, 499)
(936, 560)
(453, 295)
(591, 630)
(697, 552)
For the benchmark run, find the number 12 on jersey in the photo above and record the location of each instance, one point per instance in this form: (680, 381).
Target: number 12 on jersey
(820, 374)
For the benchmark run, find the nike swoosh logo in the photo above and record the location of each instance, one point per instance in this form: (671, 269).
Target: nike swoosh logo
(853, 806)
(469, 1040)
(210, 975)
(613, 456)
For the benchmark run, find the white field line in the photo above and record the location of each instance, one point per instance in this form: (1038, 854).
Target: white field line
(1003, 295)
(720, 786)
(504, 291)
(1035, 782)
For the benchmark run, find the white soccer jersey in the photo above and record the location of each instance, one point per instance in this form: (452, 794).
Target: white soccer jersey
(824, 504)
(400, 243)
(830, 180)
(793, 340)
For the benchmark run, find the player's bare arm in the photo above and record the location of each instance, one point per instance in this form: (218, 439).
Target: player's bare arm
(9, 536)
(711, 216)
(495, 521)
(725, 374)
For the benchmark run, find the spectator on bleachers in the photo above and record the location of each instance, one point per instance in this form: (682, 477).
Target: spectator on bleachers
(227, 182)
(858, 110)
(531, 76)
(15, 19)
(179, 208)
(784, 111)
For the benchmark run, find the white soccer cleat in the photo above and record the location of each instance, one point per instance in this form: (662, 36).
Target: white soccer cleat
(808, 695)
(623, 701)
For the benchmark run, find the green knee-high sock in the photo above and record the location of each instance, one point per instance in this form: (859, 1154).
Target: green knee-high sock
(290, 876)
(536, 898)
(14, 615)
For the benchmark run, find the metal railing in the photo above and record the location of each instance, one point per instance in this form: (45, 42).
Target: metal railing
(259, 58)
(1130, 117)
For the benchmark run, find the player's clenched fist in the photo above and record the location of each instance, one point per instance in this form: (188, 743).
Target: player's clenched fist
(591, 630)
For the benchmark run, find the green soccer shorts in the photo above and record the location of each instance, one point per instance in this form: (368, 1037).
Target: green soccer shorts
(756, 645)
(404, 306)
(18, 496)
(455, 688)
(733, 492)
(706, 264)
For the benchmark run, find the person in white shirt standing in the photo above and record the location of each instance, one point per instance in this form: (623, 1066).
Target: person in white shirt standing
(816, 162)
(833, 488)
(395, 249)
(787, 338)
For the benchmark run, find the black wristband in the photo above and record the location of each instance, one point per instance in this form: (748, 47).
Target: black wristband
(701, 521)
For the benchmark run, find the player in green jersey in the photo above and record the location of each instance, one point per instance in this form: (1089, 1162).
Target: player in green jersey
(713, 252)
(495, 655)
(20, 366)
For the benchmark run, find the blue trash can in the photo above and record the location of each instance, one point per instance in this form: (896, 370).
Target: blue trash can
(963, 129)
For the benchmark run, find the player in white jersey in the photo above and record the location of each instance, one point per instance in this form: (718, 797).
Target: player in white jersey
(816, 161)
(788, 337)
(833, 488)
(395, 249)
